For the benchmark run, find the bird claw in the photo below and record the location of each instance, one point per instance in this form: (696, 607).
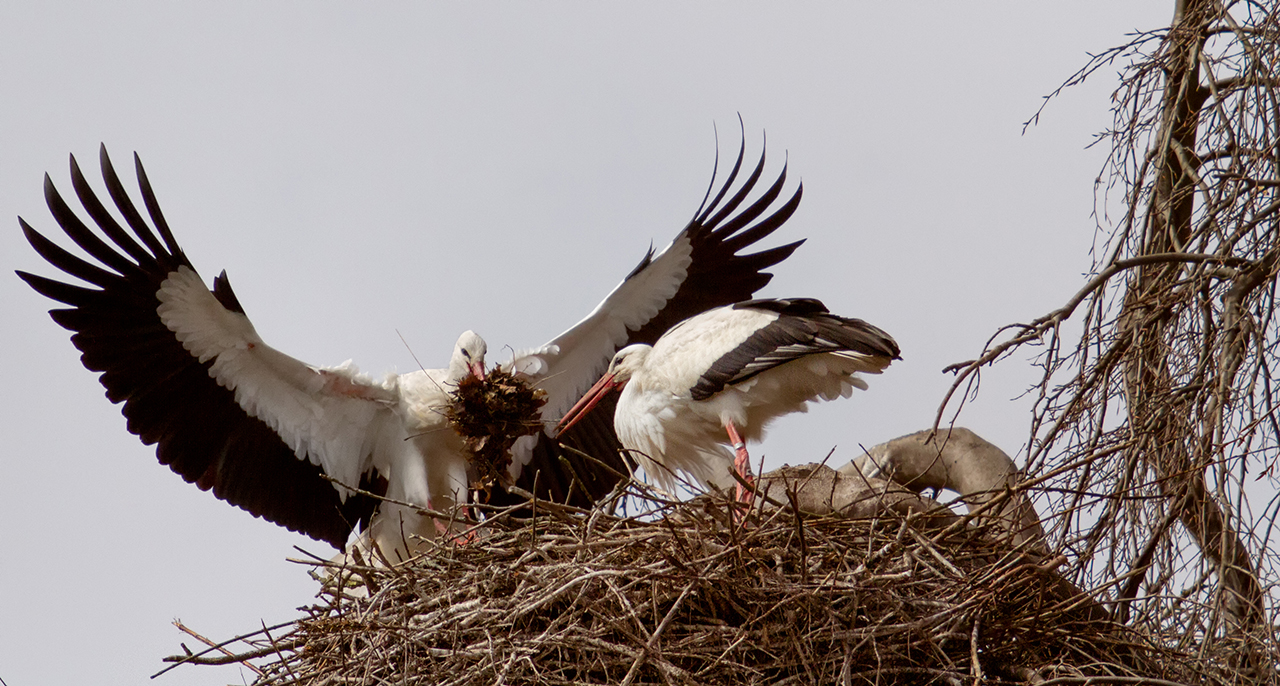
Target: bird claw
(461, 539)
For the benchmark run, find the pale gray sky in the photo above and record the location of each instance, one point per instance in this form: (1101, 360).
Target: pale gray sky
(366, 168)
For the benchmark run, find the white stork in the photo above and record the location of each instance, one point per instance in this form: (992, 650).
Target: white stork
(717, 379)
(281, 438)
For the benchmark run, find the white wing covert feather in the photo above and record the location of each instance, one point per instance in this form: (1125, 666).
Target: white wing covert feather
(323, 415)
(572, 361)
(702, 268)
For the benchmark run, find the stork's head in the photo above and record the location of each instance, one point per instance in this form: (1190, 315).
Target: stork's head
(624, 364)
(468, 356)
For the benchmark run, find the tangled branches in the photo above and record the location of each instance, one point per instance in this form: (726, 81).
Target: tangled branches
(1154, 424)
(575, 597)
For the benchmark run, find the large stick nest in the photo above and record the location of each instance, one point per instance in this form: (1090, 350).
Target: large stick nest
(692, 597)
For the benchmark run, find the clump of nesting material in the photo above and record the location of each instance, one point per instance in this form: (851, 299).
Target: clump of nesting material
(490, 414)
(695, 597)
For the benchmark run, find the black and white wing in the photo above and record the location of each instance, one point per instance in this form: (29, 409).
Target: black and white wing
(224, 410)
(764, 334)
(701, 269)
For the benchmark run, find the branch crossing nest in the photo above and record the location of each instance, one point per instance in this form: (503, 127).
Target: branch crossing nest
(490, 415)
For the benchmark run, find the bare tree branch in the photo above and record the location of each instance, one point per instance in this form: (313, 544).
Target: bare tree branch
(1156, 402)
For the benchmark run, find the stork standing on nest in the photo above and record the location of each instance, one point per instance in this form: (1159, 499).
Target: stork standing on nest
(286, 440)
(714, 381)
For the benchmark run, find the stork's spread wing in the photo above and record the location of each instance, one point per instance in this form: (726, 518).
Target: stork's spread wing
(798, 327)
(700, 270)
(226, 411)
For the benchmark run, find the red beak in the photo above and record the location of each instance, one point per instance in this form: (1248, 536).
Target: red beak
(589, 399)
(477, 370)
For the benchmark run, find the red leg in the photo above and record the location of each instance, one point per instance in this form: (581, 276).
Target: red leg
(741, 463)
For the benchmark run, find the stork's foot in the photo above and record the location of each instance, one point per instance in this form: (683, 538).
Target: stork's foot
(742, 465)
(447, 531)
(445, 528)
(465, 537)
(744, 495)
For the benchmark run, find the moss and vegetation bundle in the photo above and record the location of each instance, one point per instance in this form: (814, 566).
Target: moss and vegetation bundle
(691, 596)
(490, 414)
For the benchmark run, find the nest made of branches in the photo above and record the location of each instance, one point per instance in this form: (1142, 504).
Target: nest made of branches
(694, 596)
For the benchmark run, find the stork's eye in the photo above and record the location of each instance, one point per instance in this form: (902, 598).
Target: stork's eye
(466, 354)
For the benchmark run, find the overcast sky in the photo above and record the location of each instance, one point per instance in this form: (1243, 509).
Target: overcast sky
(370, 170)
